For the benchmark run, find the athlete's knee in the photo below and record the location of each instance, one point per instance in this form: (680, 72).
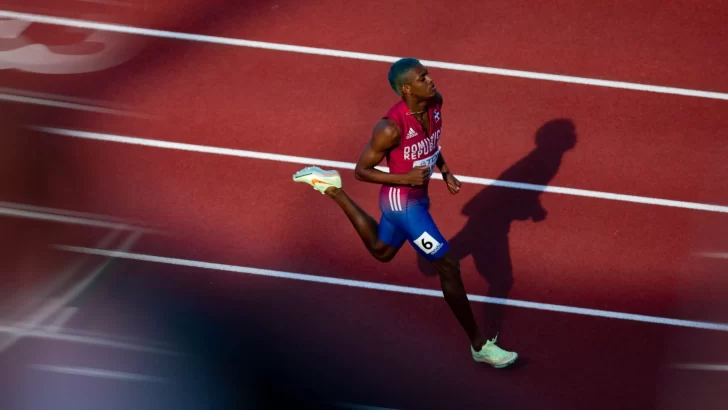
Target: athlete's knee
(448, 266)
(383, 253)
(383, 256)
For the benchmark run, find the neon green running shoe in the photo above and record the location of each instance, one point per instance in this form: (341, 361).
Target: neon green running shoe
(318, 178)
(493, 355)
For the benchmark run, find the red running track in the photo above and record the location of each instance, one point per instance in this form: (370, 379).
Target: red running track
(675, 44)
(587, 253)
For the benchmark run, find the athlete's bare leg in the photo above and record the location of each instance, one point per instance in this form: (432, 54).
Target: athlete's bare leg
(456, 297)
(366, 226)
(448, 267)
(329, 183)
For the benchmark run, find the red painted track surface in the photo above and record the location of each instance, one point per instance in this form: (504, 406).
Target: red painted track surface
(408, 351)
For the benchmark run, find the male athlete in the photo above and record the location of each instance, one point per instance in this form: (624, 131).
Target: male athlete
(408, 136)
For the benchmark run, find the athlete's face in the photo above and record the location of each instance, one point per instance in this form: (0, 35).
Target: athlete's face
(420, 84)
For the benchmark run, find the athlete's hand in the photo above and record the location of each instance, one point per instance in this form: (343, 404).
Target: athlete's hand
(418, 175)
(452, 183)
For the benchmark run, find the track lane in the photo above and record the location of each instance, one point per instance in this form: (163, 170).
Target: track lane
(164, 14)
(631, 143)
(398, 362)
(31, 270)
(670, 46)
(189, 213)
(594, 253)
(641, 138)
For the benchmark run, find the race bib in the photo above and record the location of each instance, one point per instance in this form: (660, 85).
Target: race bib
(430, 161)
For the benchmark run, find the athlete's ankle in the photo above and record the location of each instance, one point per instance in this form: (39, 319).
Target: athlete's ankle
(332, 191)
(478, 342)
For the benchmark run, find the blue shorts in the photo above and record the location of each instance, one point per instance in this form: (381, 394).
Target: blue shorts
(406, 217)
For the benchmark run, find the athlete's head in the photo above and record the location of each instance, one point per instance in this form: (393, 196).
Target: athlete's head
(408, 77)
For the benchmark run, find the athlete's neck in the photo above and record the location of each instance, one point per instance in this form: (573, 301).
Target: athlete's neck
(415, 105)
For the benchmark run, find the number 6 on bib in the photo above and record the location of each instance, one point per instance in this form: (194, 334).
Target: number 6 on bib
(427, 243)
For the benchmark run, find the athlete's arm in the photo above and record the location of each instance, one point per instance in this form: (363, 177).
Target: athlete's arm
(384, 138)
(442, 165)
(452, 183)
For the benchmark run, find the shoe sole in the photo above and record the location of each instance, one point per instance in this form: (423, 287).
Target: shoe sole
(498, 366)
(300, 178)
(299, 174)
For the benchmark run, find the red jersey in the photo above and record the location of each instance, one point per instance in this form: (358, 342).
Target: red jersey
(415, 147)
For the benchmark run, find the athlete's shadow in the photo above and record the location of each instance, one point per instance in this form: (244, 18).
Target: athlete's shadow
(492, 211)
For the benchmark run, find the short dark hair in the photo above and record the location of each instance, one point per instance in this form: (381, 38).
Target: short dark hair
(398, 70)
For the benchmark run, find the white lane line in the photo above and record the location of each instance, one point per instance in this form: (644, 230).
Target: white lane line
(98, 373)
(67, 105)
(395, 288)
(55, 304)
(350, 165)
(82, 285)
(26, 301)
(355, 55)
(66, 212)
(701, 366)
(44, 333)
(62, 318)
(65, 101)
(71, 99)
(19, 325)
(42, 216)
(59, 97)
(714, 255)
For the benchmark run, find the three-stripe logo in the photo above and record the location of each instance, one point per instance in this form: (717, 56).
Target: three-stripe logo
(395, 201)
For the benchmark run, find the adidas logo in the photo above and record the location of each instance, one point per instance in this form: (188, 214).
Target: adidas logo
(411, 134)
